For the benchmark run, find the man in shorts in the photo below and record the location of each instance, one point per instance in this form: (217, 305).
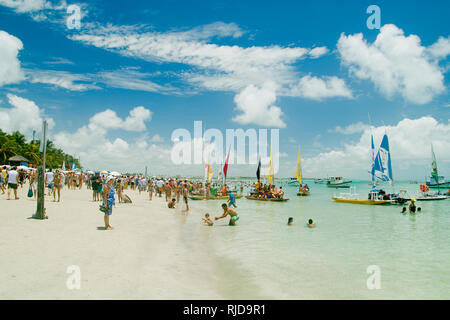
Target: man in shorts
(13, 180)
(185, 196)
(231, 212)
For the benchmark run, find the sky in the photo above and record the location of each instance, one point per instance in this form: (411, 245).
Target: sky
(115, 87)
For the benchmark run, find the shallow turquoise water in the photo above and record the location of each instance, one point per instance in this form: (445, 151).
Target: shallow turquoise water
(262, 257)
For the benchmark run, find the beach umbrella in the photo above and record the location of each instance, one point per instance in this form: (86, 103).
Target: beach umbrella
(115, 173)
(104, 172)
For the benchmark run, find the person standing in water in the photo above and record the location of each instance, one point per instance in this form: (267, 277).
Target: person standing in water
(231, 212)
(185, 196)
(232, 200)
(412, 206)
(108, 201)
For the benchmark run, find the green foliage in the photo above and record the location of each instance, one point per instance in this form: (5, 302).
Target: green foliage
(15, 145)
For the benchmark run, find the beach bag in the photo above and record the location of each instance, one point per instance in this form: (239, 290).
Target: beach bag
(103, 209)
(126, 199)
(30, 193)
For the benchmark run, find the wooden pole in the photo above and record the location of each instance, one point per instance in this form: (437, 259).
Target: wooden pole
(40, 210)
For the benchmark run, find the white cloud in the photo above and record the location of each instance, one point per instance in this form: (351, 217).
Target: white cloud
(257, 106)
(22, 6)
(25, 116)
(108, 119)
(131, 80)
(157, 138)
(318, 89)
(409, 142)
(62, 79)
(351, 129)
(124, 78)
(395, 63)
(221, 67)
(98, 151)
(10, 71)
(318, 52)
(440, 49)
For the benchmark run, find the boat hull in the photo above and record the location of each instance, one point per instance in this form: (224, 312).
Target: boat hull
(195, 197)
(303, 193)
(361, 201)
(444, 185)
(263, 199)
(431, 198)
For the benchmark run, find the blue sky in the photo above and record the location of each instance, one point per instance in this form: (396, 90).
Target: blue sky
(52, 54)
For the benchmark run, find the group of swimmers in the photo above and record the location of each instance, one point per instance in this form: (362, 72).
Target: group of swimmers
(412, 207)
(310, 223)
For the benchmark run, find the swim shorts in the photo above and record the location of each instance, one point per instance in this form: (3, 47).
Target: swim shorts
(12, 185)
(234, 218)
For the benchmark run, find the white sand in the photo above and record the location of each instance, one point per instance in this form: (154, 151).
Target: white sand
(144, 257)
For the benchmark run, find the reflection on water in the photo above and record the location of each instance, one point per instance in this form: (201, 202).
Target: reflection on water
(262, 257)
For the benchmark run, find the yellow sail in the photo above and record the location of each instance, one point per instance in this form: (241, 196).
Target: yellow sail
(210, 173)
(298, 170)
(269, 174)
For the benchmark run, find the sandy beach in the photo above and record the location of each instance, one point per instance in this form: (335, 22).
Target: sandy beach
(144, 257)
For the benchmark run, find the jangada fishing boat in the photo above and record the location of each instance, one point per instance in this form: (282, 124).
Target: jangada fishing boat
(200, 197)
(303, 192)
(303, 189)
(270, 178)
(266, 199)
(381, 169)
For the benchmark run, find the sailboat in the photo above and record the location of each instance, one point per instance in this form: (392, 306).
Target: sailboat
(270, 178)
(436, 181)
(303, 188)
(381, 169)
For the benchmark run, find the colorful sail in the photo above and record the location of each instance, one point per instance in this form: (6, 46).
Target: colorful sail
(298, 170)
(382, 164)
(258, 171)
(74, 166)
(225, 166)
(269, 174)
(373, 162)
(434, 171)
(210, 173)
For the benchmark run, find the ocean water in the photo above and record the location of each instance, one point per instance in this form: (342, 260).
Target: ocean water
(263, 258)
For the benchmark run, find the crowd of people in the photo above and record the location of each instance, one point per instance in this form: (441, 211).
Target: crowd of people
(266, 191)
(105, 187)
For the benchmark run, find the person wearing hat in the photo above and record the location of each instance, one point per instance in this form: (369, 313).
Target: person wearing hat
(412, 206)
(108, 200)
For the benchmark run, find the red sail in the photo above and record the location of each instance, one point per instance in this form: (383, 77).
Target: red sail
(225, 166)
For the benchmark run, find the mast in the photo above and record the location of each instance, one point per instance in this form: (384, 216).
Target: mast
(434, 170)
(298, 170)
(269, 175)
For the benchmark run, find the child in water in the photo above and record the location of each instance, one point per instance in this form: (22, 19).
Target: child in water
(311, 223)
(171, 204)
(404, 210)
(208, 220)
(290, 221)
